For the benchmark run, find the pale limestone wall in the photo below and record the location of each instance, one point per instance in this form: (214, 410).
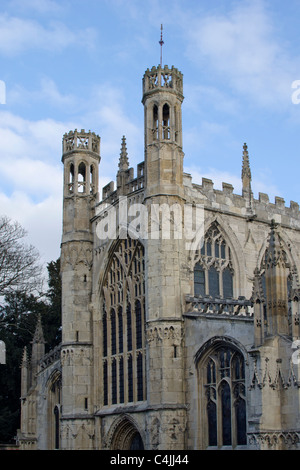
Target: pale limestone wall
(199, 330)
(45, 408)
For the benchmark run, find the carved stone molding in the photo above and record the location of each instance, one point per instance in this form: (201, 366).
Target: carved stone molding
(75, 356)
(171, 334)
(275, 439)
(271, 376)
(75, 253)
(77, 430)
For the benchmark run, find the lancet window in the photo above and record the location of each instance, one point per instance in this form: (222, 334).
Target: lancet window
(81, 178)
(92, 179)
(155, 122)
(213, 271)
(123, 326)
(224, 398)
(166, 122)
(71, 178)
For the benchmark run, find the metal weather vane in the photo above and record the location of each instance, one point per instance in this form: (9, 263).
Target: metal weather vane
(161, 43)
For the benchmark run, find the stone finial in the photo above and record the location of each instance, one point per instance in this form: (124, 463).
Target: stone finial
(246, 172)
(123, 161)
(246, 182)
(275, 255)
(24, 361)
(38, 335)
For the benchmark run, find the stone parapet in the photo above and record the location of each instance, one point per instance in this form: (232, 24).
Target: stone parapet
(81, 140)
(159, 78)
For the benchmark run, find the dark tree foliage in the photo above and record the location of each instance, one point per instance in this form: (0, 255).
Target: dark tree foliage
(18, 317)
(52, 318)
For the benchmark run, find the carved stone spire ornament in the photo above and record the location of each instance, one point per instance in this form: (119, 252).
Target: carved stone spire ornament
(38, 335)
(275, 255)
(246, 171)
(123, 161)
(246, 181)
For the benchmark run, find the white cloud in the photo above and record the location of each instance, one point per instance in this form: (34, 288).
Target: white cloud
(199, 97)
(18, 35)
(22, 138)
(33, 176)
(243, 48)
(47, 93)
(42, 221)
(31, 183)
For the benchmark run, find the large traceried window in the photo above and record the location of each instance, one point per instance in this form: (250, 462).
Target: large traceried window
(123, 326)
(213, 271)
(223, 398)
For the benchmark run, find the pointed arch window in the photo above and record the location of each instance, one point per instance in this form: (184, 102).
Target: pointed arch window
(155, 122)
(223, 398)
(166, 122)
(213, 271)
(71, 178)
(123, 330)
(92, 179)
(82, 178)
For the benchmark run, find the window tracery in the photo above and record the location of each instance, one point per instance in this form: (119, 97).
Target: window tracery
(213, 271)
(123, 325)
(224, 393)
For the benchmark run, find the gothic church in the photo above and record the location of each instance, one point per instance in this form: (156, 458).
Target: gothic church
(168, 342)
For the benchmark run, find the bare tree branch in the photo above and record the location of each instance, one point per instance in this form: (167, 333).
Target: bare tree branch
(19, 262)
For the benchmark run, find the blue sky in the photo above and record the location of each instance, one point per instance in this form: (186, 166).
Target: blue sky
(79, 64)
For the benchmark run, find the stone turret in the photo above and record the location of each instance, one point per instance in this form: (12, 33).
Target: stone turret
(81, 157)
(162, 99)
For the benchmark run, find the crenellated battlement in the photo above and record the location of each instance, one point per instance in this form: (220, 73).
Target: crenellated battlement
(226, 199)
(163, 78)
(81, 140)
(131, 184)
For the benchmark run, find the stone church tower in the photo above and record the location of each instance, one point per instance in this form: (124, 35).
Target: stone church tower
(180, 304)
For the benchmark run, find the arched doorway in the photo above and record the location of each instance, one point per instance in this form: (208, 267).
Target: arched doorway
(137, 442)
(126, 437)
